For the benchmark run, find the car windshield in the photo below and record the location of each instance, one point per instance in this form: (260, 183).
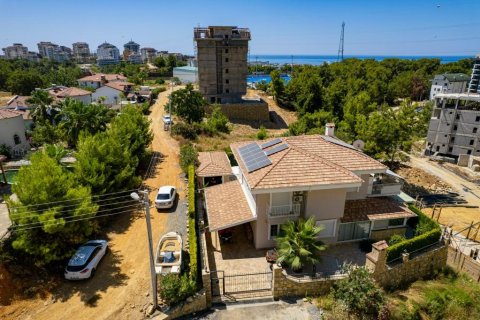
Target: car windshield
(163, 196)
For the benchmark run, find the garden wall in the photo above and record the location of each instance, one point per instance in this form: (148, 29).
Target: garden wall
(409, 268)
(463, 263)
(247, 111)
(193, 304)
(285, 285)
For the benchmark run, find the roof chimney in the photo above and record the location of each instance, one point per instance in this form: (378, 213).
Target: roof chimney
(330, 129)
(103, 79)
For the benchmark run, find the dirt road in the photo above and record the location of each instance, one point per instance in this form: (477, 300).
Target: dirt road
(469, 190)
(121, 284)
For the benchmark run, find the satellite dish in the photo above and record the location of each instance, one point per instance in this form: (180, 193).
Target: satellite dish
(359, 144)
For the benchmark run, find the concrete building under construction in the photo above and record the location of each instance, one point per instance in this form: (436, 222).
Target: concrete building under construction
(222, 62)
(454, 128)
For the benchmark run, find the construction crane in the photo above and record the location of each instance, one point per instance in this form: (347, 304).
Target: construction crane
(340, 46)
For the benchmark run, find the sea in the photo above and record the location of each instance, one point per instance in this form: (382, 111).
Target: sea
(320, 59)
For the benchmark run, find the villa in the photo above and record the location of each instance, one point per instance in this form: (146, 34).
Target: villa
(350, 194)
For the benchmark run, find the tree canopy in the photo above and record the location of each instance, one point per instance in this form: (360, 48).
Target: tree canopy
(49, 200)
(188, 104)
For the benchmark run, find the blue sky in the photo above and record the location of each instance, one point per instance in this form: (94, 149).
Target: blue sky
(387, 27)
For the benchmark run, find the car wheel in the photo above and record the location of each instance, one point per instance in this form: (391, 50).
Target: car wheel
(92, 273)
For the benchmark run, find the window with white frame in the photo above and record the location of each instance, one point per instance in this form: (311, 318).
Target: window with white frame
(329, 227)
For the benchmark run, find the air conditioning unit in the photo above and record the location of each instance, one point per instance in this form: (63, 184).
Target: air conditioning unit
(297, 199)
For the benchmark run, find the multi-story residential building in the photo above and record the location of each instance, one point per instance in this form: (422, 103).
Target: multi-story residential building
(135, 58)
(454, 127)
(53, 51)
(474, 86)
(148, 54)
(132, 47)
(351, 195)
(107, 54)
(449, 83)
(81, 52)
(16, 51)
(98, 80)
(222, 62)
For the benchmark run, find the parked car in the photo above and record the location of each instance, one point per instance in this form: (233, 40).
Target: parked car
(85, 261)
(167, 119)
(165, 197)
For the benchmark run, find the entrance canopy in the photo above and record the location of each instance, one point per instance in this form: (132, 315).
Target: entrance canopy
(227, 206)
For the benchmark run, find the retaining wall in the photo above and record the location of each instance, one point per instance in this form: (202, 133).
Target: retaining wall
(248, 111)
(409, 269)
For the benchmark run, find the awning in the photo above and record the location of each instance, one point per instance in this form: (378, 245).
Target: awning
(378, 208)
(227, 206)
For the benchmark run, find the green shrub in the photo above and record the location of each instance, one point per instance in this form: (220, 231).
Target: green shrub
(262, 133)
(396, 238)
(218, 122)
(416, 243)
(192, 235)
(186, 131)
(160, 81)
(156, 92)
(428, 233)
(188, 156)
(174, 288)
(359, 293)
(6, 151)
(145, 107)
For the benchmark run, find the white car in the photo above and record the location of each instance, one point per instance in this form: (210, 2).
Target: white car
(167, 119)
(165, 197)
(85, 261)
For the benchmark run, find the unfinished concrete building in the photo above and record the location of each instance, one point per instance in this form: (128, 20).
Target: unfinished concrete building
(474, 86)
(454, 127)
(222, 62)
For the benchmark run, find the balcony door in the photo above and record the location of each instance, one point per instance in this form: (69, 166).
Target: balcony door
(354, 231)
(281, 203)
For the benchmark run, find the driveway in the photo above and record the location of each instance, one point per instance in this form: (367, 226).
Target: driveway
(470, 191)
(121, 286)
(266, 311)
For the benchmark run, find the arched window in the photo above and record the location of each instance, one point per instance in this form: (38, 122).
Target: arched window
(16, 139)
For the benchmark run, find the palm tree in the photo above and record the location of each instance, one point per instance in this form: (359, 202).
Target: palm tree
(40, 100)
(298, 244)
(77, 116)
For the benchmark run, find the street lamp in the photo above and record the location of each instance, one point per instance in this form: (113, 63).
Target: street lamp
(153, 275)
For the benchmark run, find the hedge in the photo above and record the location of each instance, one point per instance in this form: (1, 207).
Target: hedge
(428, 233)
(192, 232)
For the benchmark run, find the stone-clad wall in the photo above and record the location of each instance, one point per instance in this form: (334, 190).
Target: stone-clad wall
(287, 286)
(386, 234)
(193, 304)
(248, 111)
(406, 271)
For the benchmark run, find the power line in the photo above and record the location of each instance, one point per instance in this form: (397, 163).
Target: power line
(69, 221)
(22, 214)
(84, 214)
(67, 206)
(54, 202)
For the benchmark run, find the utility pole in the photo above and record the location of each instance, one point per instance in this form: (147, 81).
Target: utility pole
(153, 275)
(340, 46)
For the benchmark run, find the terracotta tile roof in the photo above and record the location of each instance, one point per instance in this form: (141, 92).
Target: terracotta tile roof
(7, 114)
(348, 158)
(226, 206)
(213, 164)
(379, 208)
(300, 165)
(74, 92)
(120, 86)
(20, 101)
(23, 111)
(98, 77)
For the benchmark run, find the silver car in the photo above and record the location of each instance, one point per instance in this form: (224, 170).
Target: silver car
(85, 261)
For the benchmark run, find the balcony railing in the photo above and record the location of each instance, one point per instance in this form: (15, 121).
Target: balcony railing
(386, 189)
(292, 210)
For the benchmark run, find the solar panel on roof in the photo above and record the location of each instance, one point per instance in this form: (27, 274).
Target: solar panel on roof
(271, 143)
(253, 157)
(276, 149)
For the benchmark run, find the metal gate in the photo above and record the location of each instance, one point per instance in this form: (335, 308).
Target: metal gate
(227, 284)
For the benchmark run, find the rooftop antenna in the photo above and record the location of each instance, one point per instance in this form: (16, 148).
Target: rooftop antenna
(340, 47)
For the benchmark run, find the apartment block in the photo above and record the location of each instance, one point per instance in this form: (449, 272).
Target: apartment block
(222, 62)
(454, 127)
(81, 51)
(107, 54)
(474, 86)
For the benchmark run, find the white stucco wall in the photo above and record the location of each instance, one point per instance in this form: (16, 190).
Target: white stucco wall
(107, 92)
(87, 99)
(8, 129)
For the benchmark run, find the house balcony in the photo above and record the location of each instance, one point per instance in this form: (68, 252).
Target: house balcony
(290, 210)
(385, 184)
